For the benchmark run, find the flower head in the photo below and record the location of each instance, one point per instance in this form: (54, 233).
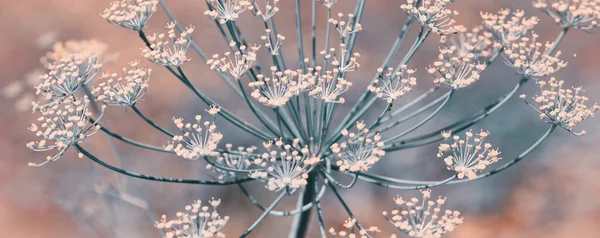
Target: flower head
(236, 64)
(327, 86)
(423, 218)
(341, 59)
(346, 28)
(508, 29)
(477, 43)
(197, 221)
(432, 14)
(238, 159)
(83, 49)
(273, 44)
(62, 125)
(328, 3)
(469, 155)
(124, 91)
(579, 14)
(455, 69)
(270, 9)
(277, 90)
(226, 10)
(166, 53)
(359, 151)
(349, 225)
(130, 14)
(528, 58)
(285, 166)
(393, 85)
(562, 107)
(66, 77)
(196, 139)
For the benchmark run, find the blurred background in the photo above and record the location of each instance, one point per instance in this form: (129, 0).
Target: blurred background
(555, 192)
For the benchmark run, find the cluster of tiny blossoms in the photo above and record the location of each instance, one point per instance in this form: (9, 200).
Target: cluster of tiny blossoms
(83, 49)
(123, 91)
(62, 125)
(238, 159)
(423, 218)
(327, 86)
(166, 53)
(270, 9)
(285, 166)
(236, 64)
(562, 107)
(477, 43)
(432, 14)
(226, 10)
(526, 57)
(393, 85)
(359, 151)
(579, 14)
(349, 224)
(197, 221)
(131, 14)
(469, 155)
(277, 90)
(507, 28)
(456, 68)
(197, 139)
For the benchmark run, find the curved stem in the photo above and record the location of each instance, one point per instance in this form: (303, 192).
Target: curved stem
(342, 186)
(413, 114)
(153, 178)
(262, 216)
(150, 122)
(129, 141)
(346, 207)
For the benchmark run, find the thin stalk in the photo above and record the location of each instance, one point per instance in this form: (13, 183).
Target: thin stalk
(262, 216)
(301, 221)
(413, 114)
(342, 186)
(254, 110)
(299, 33)
(320, 214)
(410, 104)
(153, 178)
(127, 140)
(346, 207)
(150, 122)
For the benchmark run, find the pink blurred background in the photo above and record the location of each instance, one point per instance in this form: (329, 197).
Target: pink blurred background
(555, 192)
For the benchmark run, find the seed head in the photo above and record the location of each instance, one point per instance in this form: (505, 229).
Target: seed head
(197, 221)
(166, 53)
(393, 85)
(123, 91)
(579, 14)
(277, 90)
(432, 14)
(234, 64)
(508, 29)
(528, 58)
(130, 14)
(359, 151)
(196, 139)
(469, 155)
(226, 10)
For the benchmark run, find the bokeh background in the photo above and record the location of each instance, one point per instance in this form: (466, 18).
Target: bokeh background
(555, 192)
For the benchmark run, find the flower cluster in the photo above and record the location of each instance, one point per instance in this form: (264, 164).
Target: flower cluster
(423, 218)
(467, 156)
(285, 166)
(197, 139)
(455, 69)
(562, 107)
(83, 49)
(124, 91)
(349, 225)
(393, 85)
(166, 53)
(277, 90)
(346, 28)
(327, 86)
(130, 14)
(508, 29)
(62, 125)
(238, 159)
(273, 44)
(477, 43)
(328, 3)
(226, 10)
(579, 14)
(341, 60)
(526, 56)
(66, 77)
(270, 10)
(432, 14)
(197, 221)
(359, 151)
(236, 64)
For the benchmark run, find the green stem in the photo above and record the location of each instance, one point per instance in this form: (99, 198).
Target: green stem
(150, 122)
(265, 213)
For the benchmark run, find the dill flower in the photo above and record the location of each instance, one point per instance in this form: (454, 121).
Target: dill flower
(527, 57)
(579, 14)
(236, 64)
(508, 29)
(62, 125)
(467, 156)
(346, 28)
(455, 69)
(277, 90)
(327, 86)
(562, 107)
(196, 139)
(423, 218)
(432, 14)
(84, 49)
(341, 60)
(197, 221)
(476, 43)
(328, 3)
(235, 159)
(393, 85)
(285, 166)
(273, 44)
(349, 225)
(270, 10)
(66, 77)
(226, 10)
(166, 53)
(359, 151)
(130, 14)
(124, 91)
